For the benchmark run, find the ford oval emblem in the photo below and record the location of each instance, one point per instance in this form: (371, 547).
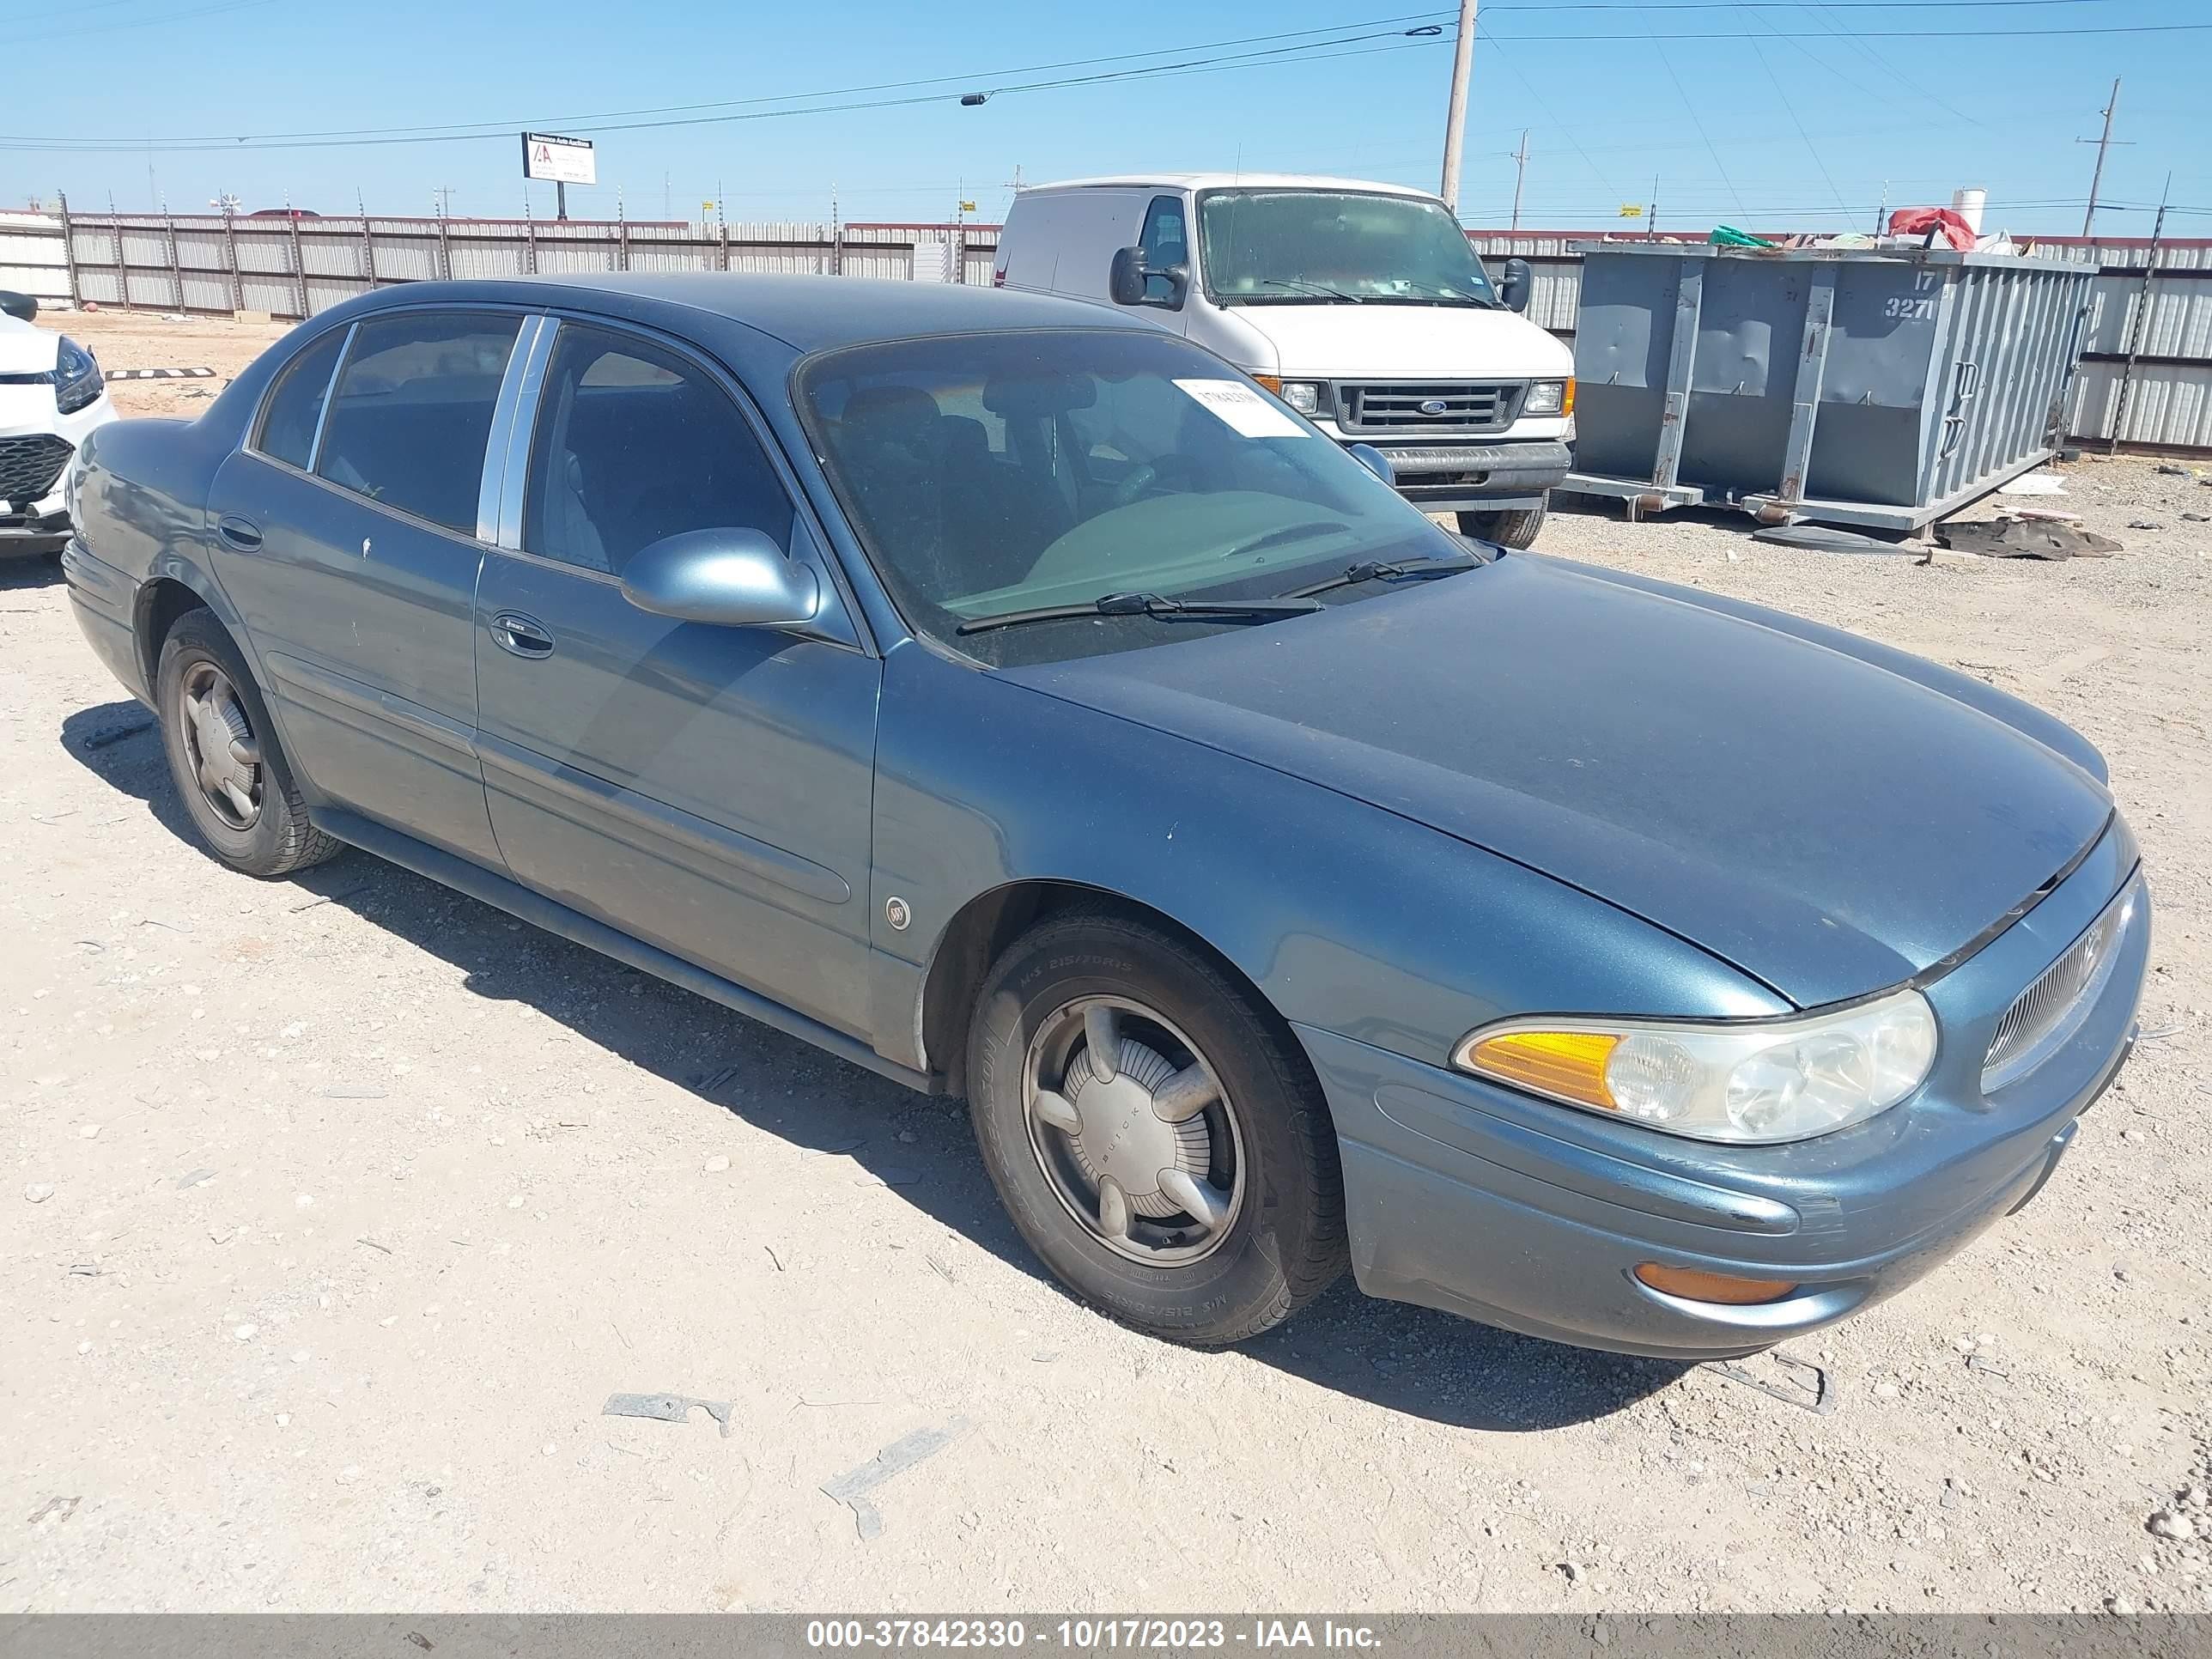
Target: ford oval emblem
(1432, 405)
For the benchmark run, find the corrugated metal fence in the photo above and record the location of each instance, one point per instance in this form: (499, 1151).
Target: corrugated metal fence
(294, 267)
(291, 268)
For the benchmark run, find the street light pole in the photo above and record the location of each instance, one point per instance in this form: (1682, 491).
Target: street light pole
(1455, 117)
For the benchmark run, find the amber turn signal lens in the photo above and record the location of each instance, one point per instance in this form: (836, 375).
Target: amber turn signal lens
(1567, 1064)
(1272, 382)
(1695, 1284)
(1567, 399)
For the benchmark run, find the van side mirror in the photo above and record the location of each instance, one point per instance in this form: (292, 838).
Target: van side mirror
(732, 578)
(18, 305)
(1126, 281)
(1519, 282)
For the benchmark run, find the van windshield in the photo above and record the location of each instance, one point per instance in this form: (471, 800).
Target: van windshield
(990, 474)
(1308, 246)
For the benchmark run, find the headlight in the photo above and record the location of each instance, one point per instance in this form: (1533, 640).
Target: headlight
(1746, 1082)
(1550, 397)
(1302, 395)
(76, 378)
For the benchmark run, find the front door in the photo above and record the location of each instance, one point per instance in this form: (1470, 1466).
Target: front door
(706, 789)
(353, 563)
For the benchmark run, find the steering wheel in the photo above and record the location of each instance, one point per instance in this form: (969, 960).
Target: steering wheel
(1132, 489)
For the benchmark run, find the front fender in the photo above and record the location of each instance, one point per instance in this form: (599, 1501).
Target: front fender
(1348, 918)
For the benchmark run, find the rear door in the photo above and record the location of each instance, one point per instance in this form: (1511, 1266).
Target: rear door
(706, 789)
(346, 534)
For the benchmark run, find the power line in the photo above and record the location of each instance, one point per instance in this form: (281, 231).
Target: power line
(507, 128)
(1803, 137)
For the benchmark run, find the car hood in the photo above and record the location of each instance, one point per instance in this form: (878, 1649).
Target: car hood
(1822, 821)
(1402, 341)
(26, 349)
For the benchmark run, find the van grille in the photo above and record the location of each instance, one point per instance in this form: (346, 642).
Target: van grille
(28, 466)
(1479, 406)
(2044, 1016)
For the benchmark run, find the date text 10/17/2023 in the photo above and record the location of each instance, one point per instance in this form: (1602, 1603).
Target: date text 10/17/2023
(1090, 1635)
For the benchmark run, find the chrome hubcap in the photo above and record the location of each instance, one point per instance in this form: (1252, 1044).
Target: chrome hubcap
(1134, 1131)
(225, 756)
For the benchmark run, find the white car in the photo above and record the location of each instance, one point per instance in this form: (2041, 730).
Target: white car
(52, 396)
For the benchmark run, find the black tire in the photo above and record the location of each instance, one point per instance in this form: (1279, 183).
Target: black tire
(1518, 528)
(1284, 1244)
(277, 839)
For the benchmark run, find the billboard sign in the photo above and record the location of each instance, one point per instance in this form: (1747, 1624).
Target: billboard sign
(559, 160)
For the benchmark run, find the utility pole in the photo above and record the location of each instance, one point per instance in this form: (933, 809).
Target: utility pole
(1455, 116)
(2136, 323)
(444, 195)
(2103, 144)
(1520, 175)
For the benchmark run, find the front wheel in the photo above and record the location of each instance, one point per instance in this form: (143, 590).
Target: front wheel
(1517, 528)
(1157, 1138)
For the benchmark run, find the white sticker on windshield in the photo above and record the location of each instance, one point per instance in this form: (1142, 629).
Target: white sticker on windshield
(1244, 408)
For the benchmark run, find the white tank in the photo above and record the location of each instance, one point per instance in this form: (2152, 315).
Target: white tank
(1968, 203)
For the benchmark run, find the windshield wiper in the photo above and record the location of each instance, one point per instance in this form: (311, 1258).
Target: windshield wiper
(1312, 288)
(1462, 294)
(1158, 607)
(1383, 570)
(1296, 533)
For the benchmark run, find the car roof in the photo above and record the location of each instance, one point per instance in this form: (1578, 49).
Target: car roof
(1229, 181)
(809, 314)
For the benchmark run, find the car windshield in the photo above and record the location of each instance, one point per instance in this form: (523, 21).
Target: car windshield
(991, 474)
(1304, 246)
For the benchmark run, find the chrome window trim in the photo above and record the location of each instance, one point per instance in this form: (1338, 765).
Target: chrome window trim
(330, 397)
(516, 394)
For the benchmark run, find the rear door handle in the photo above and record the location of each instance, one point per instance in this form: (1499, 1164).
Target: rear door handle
(240, 533)
(519, 634)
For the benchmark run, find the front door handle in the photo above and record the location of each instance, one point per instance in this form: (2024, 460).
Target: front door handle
(519, 634)
(240, 533)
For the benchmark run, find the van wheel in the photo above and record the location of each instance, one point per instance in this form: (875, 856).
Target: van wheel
(1158, 1139)
(1514, 529)
(223, 754)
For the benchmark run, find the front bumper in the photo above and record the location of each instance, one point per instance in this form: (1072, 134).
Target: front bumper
(34, 520)
(1475, 1199)
(1445, 476)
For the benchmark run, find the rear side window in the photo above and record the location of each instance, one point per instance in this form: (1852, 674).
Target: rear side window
(413, 411)
(288, 423)
(634, 444)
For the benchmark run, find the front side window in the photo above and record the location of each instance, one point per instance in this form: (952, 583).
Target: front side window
(633, 444)
(1308, 246)
(1166, 247)
(288, 421)
(991, 474)
(413, 409)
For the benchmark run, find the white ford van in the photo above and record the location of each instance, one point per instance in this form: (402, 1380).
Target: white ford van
(1361, 306)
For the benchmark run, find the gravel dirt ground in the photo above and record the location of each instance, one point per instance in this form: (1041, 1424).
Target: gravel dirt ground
(336, 1208)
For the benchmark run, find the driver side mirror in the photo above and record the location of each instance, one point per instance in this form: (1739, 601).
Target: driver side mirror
(1126, 281)
(18, 305)
(732, 578)
(1519, 283)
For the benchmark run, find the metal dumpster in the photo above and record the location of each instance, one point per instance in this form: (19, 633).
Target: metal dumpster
(1859, 387)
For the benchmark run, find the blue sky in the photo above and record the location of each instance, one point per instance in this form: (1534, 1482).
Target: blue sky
(1803, 123)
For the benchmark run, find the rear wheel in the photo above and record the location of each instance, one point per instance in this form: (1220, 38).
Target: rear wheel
(224, 756)
(1517, 528)
(1157, 1139)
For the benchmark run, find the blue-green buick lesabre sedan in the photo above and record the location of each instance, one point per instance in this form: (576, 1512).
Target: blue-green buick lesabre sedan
(1012, 698)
